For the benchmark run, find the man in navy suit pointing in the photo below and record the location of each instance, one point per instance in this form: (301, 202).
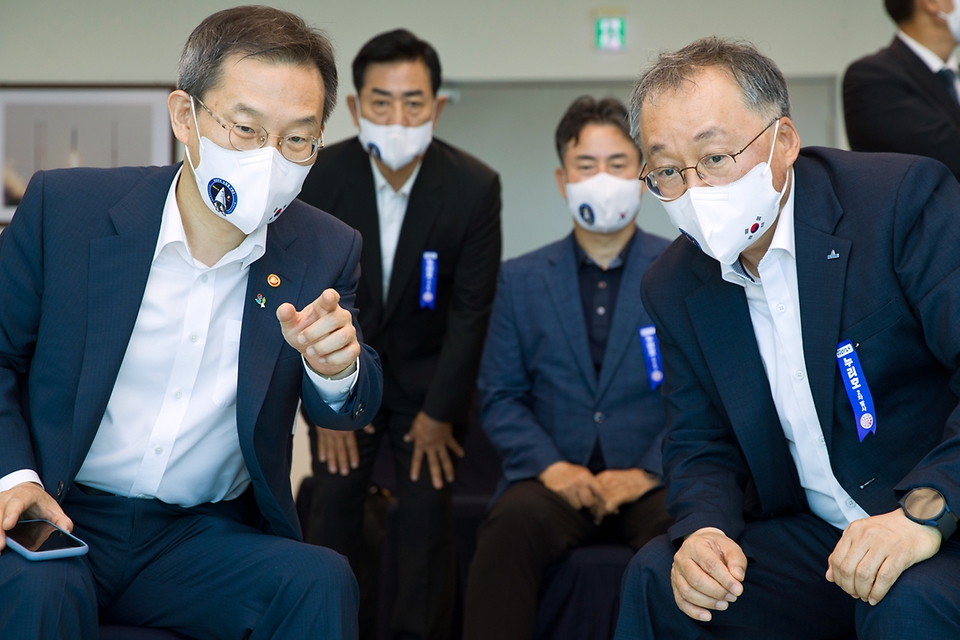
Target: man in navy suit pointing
(167, 322)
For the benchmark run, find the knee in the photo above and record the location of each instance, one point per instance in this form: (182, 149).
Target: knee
(319, 568)
(917, 595)
(649, 571)
(61, 591)
(523, 508)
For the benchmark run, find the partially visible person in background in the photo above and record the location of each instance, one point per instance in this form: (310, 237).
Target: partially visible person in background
(430, 218)
(569, 383)
(904, 98)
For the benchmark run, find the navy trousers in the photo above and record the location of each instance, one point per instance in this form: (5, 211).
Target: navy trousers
(785, 593)
(204, 572)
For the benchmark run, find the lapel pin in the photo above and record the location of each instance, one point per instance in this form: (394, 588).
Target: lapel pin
(261, 300)
(833, 255)
(273, 280)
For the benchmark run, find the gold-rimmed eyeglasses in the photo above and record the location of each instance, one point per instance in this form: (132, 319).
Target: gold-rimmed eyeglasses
(249, 136)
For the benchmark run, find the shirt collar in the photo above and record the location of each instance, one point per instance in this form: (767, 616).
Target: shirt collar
(381, 183)
(584, 259)
(928, 57)
(784, 239)
(173, 235)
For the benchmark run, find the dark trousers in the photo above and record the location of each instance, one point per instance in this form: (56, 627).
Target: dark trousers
(529, 528)
(786, 596)
(203, 572)
(426, 561)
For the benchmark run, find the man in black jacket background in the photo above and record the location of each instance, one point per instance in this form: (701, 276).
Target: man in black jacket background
(430, 219)
(904, 97)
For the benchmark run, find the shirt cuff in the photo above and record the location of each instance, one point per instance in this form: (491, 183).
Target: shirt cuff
(11, 480)
(333, 392)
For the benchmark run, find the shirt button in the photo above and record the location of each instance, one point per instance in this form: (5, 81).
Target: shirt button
(822, 440)
(781, 308)
(203, 278)
(799, 375)
(598, 417)
(602, 284)
(851, 503)
(344, 392)
(601, 311)
(178, 394)
(158, 450)
(194, 337)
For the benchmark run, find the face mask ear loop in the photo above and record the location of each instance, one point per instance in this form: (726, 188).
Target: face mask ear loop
(186, 148)
(776, 130)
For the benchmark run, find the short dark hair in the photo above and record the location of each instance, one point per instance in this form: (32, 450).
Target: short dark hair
(398, 45)
(900, 10)
(762, 85)
(258, 32)
(588, 110)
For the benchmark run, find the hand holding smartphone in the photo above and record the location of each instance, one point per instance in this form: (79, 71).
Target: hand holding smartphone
(43, 540)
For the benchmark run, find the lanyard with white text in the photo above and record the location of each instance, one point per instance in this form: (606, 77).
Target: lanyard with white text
(428, 280)
(651, 355)
(857, 390)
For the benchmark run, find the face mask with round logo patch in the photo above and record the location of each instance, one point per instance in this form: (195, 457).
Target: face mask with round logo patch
(724, 221)
(603, 203)
(250, 189)
(394, 144)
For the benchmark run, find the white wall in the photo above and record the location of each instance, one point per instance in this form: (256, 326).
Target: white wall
(493, 40)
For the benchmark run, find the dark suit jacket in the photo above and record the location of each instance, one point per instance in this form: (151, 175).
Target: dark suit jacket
(73, 267)
(541, 400)
(430, 356)
(894, 292)
(893, 102)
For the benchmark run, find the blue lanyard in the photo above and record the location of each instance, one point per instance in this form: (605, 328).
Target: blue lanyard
(428, 280)
(651, 355)
(857, 390)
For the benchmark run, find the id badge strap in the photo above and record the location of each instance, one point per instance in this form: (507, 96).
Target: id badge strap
(857, 390)
(651, 355)
(428, 280)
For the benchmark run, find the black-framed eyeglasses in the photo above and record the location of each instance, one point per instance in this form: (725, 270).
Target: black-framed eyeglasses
(716, 169)
(249, 136)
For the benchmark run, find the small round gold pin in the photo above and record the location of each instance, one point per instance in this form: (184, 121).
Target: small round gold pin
(273, 280)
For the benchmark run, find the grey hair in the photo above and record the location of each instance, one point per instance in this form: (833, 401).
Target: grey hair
(763, 86)
(258, 32)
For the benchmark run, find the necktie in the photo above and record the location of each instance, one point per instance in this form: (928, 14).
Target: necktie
(948, 76)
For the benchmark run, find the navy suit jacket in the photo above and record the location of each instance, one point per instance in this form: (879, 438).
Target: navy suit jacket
(73, 268)
(893, 102)
(541, 399)
(894, 291)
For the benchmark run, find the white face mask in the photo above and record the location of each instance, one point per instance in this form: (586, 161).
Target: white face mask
(953, 20)
(394, 144)
(603, 203)
(250, 189)
(724, 221)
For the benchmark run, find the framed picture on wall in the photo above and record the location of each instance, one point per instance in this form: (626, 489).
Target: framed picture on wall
(53, 127)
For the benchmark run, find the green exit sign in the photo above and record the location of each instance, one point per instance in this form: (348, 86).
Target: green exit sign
(611, 33)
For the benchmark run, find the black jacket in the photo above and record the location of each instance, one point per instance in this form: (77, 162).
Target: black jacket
(893, 102)
(430, 356)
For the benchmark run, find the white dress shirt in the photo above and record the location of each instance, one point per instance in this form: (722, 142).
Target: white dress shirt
(170, 426)
(931, 59)
(391, 209)
(774, 302)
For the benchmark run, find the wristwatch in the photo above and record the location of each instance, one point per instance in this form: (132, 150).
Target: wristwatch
(927, 506)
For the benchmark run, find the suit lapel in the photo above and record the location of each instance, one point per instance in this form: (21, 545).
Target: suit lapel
(359, 210)
(119, 268)
(926, 81)
(426, 201)
(821, 283)
(561, 280)
(260, 336)
(724, 330)
(627, 313)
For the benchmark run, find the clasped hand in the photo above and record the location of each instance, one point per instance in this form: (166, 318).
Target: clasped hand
(601, 494)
